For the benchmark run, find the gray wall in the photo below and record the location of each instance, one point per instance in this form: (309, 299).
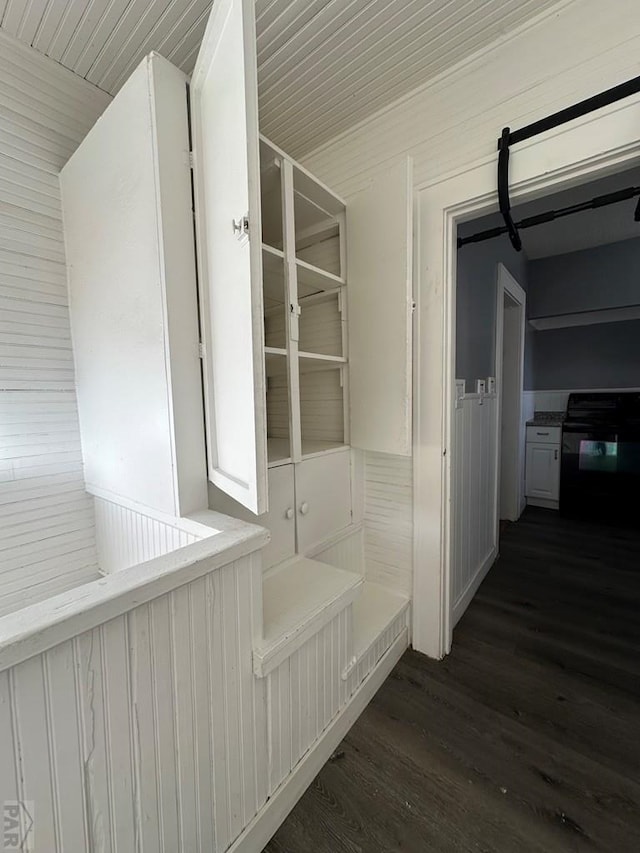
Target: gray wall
(602, 277)
(476, 304)
(600, 356)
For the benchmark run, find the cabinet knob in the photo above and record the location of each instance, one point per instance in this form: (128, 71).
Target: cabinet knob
(304, 508)
(289, 513)
(555, 454)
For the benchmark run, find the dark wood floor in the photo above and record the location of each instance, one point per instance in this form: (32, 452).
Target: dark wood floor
(526, 738)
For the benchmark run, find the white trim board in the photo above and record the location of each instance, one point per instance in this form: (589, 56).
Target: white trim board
(269, 819)
(465, 599)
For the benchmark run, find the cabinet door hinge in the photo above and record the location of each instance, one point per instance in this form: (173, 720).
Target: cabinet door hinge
(201, 350)
(241, 226)
(191, 159)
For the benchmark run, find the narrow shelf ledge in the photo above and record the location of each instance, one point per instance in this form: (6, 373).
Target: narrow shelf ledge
(314, 279)
(299, 599)
(272, 253)
(314, 447)
(318, 361)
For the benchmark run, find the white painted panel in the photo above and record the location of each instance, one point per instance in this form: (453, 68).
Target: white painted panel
(379, 271)
(280, 520)
(388, 521)
(344, 551)
(474, 495)
(227, 186)
(125, 738)
(126, 537)
(304, 694)
(321, 409)
(323, 497)
(127, 258)
(367, 662)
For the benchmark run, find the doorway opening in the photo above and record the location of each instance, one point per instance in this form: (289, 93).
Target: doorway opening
(598, 145)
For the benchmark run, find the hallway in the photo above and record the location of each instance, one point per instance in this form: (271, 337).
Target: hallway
(526, 738)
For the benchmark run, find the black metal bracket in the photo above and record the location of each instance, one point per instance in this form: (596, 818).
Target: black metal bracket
(503, 190)
(589, 105)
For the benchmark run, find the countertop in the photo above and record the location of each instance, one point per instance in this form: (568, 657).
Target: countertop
(549, 419)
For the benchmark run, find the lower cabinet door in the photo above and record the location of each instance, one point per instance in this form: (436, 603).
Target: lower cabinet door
(323, 497)
(280, 520)
(542, 479)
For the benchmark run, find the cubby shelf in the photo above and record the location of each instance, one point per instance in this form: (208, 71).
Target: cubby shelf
(275, 361)
(317, 361)
(312, 447)
(312, 279)
(278, 451)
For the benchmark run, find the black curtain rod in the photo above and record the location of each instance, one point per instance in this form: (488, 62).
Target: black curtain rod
(603, 99)
(551, 215)
(509, 137)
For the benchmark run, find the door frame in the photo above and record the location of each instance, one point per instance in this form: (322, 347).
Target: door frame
(508, 286)
(586, 149)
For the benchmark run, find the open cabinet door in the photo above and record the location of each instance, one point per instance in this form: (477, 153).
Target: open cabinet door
(224, 119)
(379, 288)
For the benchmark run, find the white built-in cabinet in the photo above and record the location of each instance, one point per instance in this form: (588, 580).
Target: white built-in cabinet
(234, 321)
(542, 467)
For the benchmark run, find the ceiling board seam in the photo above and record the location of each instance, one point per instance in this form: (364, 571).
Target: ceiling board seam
(391, 48)
(304, 48)
(385, 82)
(456, 70)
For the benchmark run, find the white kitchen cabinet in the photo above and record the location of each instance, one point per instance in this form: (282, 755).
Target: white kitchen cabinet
(280, 520)
(323, 498)
(308, 503)
(133, 301)
(542, 479)
(276, 329)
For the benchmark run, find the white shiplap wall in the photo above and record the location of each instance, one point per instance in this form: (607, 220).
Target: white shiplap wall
(47, 540)
(388, 526)
(126, 537)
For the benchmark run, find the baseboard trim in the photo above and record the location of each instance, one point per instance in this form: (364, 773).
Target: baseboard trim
(543, 502)
(464, 600)
(266, 823)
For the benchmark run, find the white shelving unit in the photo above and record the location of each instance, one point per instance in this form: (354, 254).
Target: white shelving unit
(304, 278)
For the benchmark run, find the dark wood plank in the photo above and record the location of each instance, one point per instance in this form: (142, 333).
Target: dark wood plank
(526, 739)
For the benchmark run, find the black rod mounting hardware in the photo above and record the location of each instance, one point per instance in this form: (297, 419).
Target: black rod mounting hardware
(551, 215)
(509, 137)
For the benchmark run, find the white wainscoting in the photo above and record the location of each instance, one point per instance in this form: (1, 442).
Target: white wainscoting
(345, 550)
(132, 718)
(388, 521)
(126, 537)
(147, 732)
(298, 712)
(47, 539)
(474, 498)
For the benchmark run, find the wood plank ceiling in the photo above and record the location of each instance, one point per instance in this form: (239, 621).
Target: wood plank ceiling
(323, 64)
